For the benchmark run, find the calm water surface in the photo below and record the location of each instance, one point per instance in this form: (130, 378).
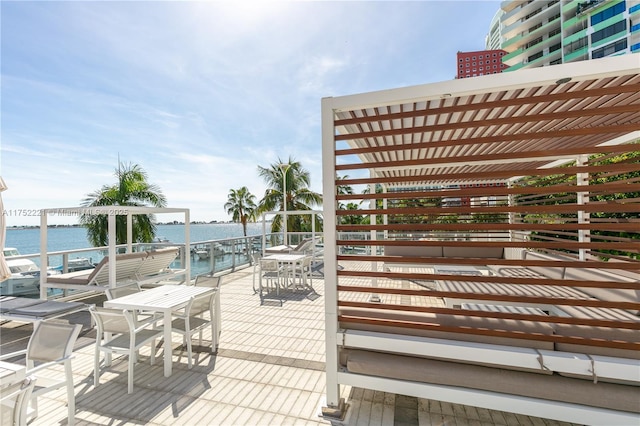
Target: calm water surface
(27, 241)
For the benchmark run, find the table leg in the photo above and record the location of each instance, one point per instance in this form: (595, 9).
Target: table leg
(167, 344)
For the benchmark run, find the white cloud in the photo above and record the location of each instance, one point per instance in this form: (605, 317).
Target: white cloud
(199, 93)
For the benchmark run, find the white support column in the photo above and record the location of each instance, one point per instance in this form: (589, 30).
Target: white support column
(129, 232)
(187, 247)
(334, 405)
(373, 236)
(44, 260)
(385, 217)
(264, 233)
(582, 179)
(111, 221)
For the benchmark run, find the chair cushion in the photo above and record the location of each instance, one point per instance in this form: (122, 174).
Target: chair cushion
(9, 303)
(48, 308)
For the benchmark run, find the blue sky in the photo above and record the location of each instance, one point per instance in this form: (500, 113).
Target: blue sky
(198, 93)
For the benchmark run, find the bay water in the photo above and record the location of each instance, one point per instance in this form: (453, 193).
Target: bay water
(27, 240)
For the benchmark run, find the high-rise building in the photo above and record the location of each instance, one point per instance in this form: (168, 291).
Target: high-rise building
(493, 41)
(481, 62)
(540, 33)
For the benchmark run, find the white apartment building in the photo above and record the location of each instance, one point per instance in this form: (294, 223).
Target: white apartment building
(539, 33)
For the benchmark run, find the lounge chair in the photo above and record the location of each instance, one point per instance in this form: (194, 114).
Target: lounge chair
(35, 310)
(306, 246)
(287, 248)
(126, 267)
(157, 265)
(145, 267)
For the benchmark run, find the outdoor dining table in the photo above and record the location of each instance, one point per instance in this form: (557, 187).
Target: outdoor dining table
(165, 299)
(287, 260)
(11, 373)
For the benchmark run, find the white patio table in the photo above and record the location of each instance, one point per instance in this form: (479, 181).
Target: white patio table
(165, 299)
(11, 373)
(288, 260)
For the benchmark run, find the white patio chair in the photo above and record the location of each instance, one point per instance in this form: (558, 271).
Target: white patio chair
(271, 272)
(209, 280)
(133, 288)
(122, 290)
(14, 400)
(301, 274)
(255, 257)
(118, 332)
(50, 345)
(199, 314)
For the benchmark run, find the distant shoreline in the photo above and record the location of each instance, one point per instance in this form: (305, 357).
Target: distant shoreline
(17, 227)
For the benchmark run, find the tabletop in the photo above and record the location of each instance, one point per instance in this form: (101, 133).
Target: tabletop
(285, 257)
(158, 298)
(11, 373)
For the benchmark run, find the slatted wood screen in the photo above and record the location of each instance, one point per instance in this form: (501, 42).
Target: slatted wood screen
(521, 170)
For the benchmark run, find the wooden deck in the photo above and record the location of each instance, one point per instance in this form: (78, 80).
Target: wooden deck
(269, 370)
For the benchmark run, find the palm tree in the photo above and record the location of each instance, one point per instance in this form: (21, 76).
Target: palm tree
(132, 189)
(296, 180)
(241, 204)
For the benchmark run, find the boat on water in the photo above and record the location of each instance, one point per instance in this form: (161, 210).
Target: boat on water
(25, 276)
(77, 264)
(204, 252)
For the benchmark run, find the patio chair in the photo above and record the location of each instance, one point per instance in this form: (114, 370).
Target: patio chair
(50, 345)
(209, 280)
(255, 257)
(272, 273)
(198, 315)
(126, 290)
(302, 274)
(124, 335)
(14, 400)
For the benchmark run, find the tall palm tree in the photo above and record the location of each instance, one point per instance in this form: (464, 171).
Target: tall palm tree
(296, 180)
(131, 189)
(241, 204)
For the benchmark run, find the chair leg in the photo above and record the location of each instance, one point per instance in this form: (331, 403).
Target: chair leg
(189, 350)
(130, 372)
(96, 365)
(214, 336)
(153, 351)
(71, 398)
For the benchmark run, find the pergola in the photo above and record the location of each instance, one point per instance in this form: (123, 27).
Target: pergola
(111, 212)
(542, 160)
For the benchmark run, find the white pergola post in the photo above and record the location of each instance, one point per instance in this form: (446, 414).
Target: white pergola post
(129, 232)
(582, 179)
(43, 254)
(373, 236)
(187, 247)
(111, 221)
(334, 405)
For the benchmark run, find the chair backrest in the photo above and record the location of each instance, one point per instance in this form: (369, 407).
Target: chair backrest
(199, 304)
(121, 291)
(269, 265)
(157, 261)
(110, 320)
(306, 261)
(127, 266)
(14, 400)
(303, 245)
(208, 281)
(51, 341)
